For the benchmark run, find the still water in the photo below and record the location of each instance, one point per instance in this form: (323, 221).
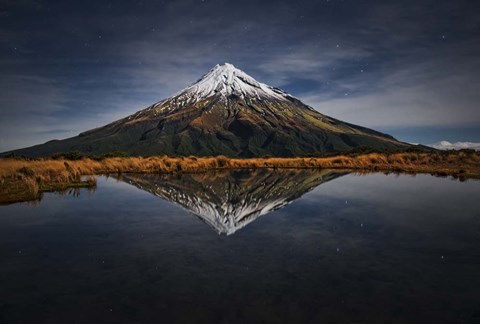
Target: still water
(296, 246)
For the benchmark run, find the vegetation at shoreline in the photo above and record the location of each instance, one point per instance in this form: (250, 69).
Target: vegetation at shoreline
(23, 179)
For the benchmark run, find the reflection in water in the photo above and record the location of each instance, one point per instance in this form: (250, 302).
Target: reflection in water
(68, 192)
(230, 200)
(369, 249)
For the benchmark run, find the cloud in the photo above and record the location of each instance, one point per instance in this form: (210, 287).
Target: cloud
(446, 145)
(427, 91)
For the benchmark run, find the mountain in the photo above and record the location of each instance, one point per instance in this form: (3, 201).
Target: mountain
(230, 200)
(226, 112)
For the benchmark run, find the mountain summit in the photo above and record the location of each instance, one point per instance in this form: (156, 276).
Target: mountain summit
(226, 112)
(226, 80)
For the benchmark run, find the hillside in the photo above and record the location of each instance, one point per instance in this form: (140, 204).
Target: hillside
(226, 112)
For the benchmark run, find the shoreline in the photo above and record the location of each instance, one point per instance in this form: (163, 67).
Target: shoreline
(26, 180)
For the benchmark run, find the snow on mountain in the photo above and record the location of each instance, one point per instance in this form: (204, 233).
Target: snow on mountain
(226, 80)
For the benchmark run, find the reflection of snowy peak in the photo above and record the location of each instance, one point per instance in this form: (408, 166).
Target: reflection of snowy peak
(230, 200)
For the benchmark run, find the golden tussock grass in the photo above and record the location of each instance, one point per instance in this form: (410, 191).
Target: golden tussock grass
(26, 179)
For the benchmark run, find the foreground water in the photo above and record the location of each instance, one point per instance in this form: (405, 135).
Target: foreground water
(337, 248)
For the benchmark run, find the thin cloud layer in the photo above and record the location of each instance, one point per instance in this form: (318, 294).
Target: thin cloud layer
(446, 145)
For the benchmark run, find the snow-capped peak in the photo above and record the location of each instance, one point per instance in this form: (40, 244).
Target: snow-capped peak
(225, 79)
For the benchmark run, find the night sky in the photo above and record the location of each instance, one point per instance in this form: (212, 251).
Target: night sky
(409, 68)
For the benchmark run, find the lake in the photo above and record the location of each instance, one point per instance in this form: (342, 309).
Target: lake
(264, 246)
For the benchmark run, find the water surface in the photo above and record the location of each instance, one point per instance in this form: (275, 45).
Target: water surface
(263, 246)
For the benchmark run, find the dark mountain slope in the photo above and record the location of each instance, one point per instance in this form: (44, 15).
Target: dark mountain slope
(226, 112)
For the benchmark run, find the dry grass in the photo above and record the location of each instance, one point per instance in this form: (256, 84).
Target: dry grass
(22, 180)
(27, 180)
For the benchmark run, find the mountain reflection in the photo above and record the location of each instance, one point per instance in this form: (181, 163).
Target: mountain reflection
(230, 200)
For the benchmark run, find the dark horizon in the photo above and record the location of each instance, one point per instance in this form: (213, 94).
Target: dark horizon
(409, 69)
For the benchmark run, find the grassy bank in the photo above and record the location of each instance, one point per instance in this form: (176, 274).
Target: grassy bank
(22, 179)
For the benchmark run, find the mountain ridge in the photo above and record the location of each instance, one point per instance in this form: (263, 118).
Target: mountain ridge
(226, 112)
